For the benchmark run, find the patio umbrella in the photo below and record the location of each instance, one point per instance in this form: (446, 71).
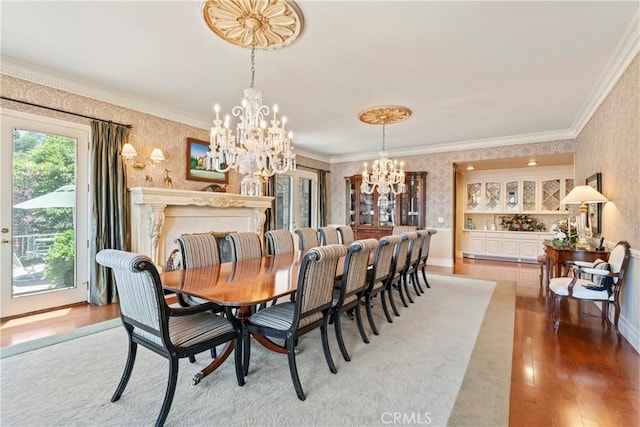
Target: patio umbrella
(63, 197)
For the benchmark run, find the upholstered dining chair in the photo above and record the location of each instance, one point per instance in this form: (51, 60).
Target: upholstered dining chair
(346, 234)
(328, 236)
(347, 296)
(173, 333)
(245, 245)
(279, 242)
(411, 272)
(591, 283)
(400, 261)
(399, 229)
(424, 253)
(382, 272)
(310, 310)
(308, 238)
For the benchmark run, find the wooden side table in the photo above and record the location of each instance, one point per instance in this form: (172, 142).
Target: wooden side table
(556, 257)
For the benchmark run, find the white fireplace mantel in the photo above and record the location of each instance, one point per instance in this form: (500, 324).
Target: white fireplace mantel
(159, 215)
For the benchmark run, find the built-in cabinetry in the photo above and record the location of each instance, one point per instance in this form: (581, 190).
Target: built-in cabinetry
(517, 246)
(371, 217)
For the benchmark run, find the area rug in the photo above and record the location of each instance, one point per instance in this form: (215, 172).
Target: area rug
(446, 359)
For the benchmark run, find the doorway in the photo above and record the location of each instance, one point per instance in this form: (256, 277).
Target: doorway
(44, 215)
(296, 200)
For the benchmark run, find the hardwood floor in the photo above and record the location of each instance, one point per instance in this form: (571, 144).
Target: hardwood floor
(579, 377)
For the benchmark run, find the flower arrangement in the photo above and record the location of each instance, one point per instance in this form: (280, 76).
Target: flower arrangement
(566, 234)
(521, 222)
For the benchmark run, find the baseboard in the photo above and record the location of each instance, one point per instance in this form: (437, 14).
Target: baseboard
(629, 332)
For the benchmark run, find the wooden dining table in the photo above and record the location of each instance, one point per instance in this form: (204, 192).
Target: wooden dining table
(241, 285)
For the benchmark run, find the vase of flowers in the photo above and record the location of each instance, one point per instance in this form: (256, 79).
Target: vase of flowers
(521, 222)
(566, 234)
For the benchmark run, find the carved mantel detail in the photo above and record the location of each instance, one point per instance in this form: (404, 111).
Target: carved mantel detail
(151, 208)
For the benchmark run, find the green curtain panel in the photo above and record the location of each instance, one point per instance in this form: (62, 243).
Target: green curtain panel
(110, 226)
(322, 198)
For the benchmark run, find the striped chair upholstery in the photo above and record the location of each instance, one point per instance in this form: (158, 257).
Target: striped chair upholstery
(400, 260)
(346, 234)
(424, 253)
(352, 285)
(328, 236)
(279, 242)
(198, 250)
(411, 272)
(308, 238)
(310, 310)
(382, 273)
(173, 333)
(245, 245)
(399, 229)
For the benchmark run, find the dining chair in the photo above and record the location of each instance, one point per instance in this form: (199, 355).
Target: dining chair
(399, 229)
(414, 261)
(381, 274)
(279, 242)
(308, 238)
(352, 285)
(346, 234)
(400, 261)
(310, 310)
(173, 333)
(597, 281)
(328, 236)
(424, 254)
(245, 245)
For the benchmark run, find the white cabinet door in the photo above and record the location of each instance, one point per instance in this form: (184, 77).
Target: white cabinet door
(478, 245)
(510, 247)
(493, 245)
(529, 249)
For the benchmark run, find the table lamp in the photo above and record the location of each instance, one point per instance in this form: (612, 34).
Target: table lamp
(583, 194)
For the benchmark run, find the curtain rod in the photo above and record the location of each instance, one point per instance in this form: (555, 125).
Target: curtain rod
(63, 111)
(315, 169)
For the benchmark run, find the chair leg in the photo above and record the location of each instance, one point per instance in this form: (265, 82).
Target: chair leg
(383, 300)
(171, 389)
(556, 306)
(372, 323)
(246, 350)
(336, 324)
(237, 352)
(416, 282)
(616, 317)
(424, 275)
(291, 355)
(325, 345)
(192, 359)
(406, 288)
(392, 301)
(131, 359)
(402, 298)
(363, 334)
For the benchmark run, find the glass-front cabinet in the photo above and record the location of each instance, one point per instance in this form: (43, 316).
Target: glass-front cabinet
(371, 217)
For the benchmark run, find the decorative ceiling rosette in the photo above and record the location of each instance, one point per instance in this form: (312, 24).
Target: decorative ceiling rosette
(384, 114)
(260, 24)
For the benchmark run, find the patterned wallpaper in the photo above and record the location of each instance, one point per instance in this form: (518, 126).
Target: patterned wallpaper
(439, 168)
(614, 134)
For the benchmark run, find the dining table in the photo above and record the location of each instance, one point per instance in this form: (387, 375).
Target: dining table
(240, 286)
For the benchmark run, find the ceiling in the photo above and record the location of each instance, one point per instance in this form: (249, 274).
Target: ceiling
(474, 74)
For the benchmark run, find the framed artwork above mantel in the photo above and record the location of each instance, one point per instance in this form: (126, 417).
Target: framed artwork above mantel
(197, 163)
(594, 214)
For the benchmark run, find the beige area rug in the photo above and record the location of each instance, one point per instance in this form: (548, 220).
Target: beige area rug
(445, 360)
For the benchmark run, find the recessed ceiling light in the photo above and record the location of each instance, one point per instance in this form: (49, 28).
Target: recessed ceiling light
(470, 168)
(532, 163)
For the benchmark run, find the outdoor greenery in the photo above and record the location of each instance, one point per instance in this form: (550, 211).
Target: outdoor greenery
(42, 163)
(59, 266)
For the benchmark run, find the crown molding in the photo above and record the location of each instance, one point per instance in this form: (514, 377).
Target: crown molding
(463, 145)
(23, 71)
(627, 49)
(311, 155)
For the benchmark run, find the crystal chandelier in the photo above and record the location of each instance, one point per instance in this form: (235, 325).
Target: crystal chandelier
(260, 146)
(387, 176)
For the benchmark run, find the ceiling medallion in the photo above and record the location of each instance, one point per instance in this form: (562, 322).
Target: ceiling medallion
(384, 114)
(260, 24)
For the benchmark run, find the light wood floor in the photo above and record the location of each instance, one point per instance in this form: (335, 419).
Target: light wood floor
(579, 377)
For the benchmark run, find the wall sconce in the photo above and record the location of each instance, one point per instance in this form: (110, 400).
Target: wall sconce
(129, 153)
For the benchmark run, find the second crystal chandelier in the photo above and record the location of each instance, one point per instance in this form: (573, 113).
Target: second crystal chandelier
(387, 176)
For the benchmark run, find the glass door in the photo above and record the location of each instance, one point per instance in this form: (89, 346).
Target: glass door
(296, 200)
(44, 217)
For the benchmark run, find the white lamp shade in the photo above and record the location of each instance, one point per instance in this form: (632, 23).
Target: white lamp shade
(128, 151)
(156, 155)
(584, 194)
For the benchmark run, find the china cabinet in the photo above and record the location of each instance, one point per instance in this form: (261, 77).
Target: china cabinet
(373, 218)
